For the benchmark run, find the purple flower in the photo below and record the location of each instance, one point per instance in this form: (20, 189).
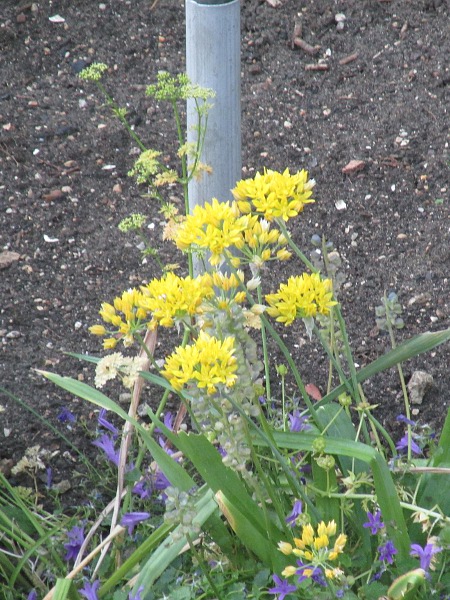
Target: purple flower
(387, 552)
(298, 422)
(374, 522)
(130, 520)
(296, 512)
(150, 483)
(161, 481)
(65, 416)
(282, 587)
(76, 539)
(103, 422)
(425, 554)
(106, 444)
(32, 595)
(403, 444)
(316, 574)
(89, 590)
(403, 419)
(138, 594)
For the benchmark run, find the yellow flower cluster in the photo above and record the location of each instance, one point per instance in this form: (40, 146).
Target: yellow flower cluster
(174, 297)
(214, 227)
(244, 225)
(126, 315)
(275, 195)
(316, 549)
(301, 297)
(161, 302)
(207, 362)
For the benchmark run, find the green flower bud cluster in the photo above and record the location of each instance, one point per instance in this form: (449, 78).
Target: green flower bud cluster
(178, 87)
(133, 222)
(181, 511)
(94, 72)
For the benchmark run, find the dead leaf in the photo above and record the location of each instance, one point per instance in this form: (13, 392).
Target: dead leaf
(353, 167)
(313, 391)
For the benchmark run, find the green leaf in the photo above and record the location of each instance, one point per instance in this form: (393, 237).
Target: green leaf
(433, 489)
(413, 347)
(407, 586)
(65, 590)
(171, 547)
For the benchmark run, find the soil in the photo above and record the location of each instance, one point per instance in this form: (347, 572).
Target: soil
(381, 97)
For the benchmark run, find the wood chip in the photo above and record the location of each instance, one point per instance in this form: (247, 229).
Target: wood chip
(305, 46)
(348, 59)
(53, 195)
(7, 258)
(353, 167)
(317, 67)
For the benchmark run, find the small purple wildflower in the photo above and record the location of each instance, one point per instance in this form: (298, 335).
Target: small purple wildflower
(403, 444)
(387, 552)
(298, 422)
(291, 519)
(138, 594)
(150, 483)
(103, 422)
(425, 554)
(374, 522)
(130, 520)
(105, 443)
(65, 416)
(161, 481)
(76, 539)
(32, 595)
(89, 590)
(403, 419)
(282, 587)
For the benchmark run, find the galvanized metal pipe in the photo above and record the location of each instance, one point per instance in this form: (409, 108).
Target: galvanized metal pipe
(213, 61)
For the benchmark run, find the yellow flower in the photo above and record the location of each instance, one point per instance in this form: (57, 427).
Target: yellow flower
(109, 343)
(207, 363)
(98, 330)
(173, 297)
(302, 296)
(329, 529)
(289, 571)
(285, 548)
(275, 195)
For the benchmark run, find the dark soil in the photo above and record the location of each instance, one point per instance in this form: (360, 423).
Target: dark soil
(60, 203)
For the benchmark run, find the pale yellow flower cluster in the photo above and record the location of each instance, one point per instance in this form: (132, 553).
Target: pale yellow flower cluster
(114, 365)
(316, 549)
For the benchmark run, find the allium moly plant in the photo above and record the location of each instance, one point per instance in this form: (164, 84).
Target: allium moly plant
(258, 495)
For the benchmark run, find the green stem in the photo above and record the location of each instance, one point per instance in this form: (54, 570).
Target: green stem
(204, 567)
(401, 376)
(265, 352)
(116, 110)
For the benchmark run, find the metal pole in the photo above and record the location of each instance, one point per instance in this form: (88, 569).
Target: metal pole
(213, 61)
